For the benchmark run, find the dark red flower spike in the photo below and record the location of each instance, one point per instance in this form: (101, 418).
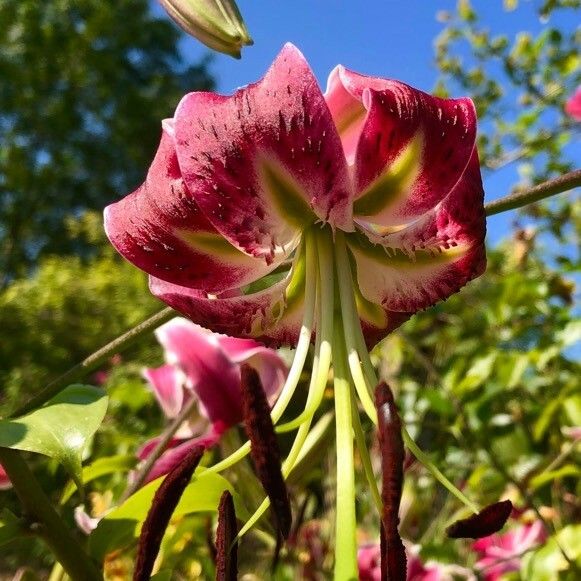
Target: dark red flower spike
(264, 447)
(487, 522)
(393, 558)
(226, 543)
(166, 498)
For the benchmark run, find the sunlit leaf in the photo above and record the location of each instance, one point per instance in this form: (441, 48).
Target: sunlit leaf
(123, 525)
(61, 429)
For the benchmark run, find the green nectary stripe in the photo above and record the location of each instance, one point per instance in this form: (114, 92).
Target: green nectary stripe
(366, 309)
(353, 116)
(285, 195)
(211, 243)
(358, 242)
(395, 180)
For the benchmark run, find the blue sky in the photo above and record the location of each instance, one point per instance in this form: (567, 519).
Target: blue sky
(387, 38)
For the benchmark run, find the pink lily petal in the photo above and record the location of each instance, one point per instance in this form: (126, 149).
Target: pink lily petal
(168, 387)
(86, 523)
(270, 367)
(266, 161)
(348, 111)
(5, 483)
(413, 268)
(147, 448)
(161, 229)
(260, 315)
(413, 148)
(209, 372)
(573, 105)
(171, 458)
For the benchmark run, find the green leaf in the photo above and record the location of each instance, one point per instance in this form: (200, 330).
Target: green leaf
(546, 477)
(477, 374)
(101, 467)
(61, 428)
(121, 526)
(11, 527)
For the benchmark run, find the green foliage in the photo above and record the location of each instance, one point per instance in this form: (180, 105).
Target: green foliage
(67, 310)
(61, 429)
(121, 526)
(519, 86)
(84, 85)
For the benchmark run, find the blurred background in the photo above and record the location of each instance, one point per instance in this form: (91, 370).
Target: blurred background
(488, 382)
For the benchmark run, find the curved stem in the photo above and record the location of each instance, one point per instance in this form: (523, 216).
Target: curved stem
(306, 332)
(159, 449)
(549, 188)
(301, 352)
(425, 460)
(415, 449)
(65, 546)
(325, 306)
(93, 361)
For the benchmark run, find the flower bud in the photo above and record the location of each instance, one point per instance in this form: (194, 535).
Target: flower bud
(216, 23)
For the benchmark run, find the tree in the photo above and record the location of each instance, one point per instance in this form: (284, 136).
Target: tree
(84, 85)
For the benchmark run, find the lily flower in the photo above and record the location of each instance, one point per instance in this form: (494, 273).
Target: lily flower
(500, 554)
(204, 366)
(284, 214)
(369, 564)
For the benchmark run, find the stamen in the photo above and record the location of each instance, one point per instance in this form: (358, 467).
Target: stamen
(164, 503)
(392, 458)
(226, 543)
(487, 522)
(264, 447)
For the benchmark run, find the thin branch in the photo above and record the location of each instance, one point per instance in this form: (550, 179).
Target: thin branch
(549, 188)
(159, 449)
(45, 520)
(96, 359)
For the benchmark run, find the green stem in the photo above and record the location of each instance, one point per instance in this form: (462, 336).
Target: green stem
(414, 448)
(159, 449)
(96, 359)
(345, 528)
(66, 548)
(549, 188)
(425, 460)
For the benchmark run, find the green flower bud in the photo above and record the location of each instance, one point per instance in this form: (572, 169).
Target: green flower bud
(216, 23)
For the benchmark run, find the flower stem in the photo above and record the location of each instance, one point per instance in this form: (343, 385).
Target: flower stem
(413, 447)
(65, 546)
(345, 541)
(159, 449)
(425, 460)
(93, 361)
(549, 188)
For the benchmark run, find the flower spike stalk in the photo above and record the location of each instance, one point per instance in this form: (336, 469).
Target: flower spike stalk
(290, 216)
